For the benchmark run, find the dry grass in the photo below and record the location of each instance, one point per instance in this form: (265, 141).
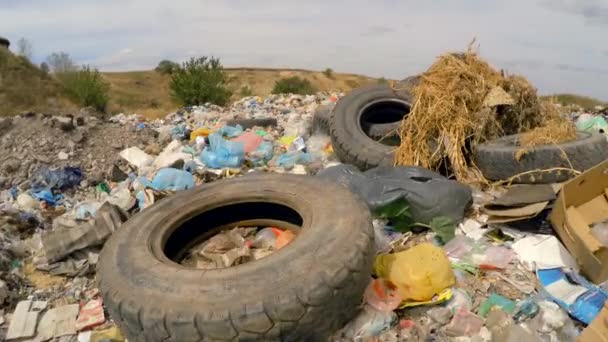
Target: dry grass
(147, 92)
(24, 87)
(453, 113)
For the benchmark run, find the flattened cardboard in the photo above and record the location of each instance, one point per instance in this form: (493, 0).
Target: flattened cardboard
(582, 202)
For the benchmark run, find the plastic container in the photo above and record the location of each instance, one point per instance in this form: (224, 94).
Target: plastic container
(265, 238)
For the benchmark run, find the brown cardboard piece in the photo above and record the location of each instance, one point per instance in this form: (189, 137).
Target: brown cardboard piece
(582, 202)
(597, 331)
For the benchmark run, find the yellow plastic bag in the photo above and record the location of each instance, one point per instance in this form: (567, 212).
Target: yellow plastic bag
(201, 132)
(419, 273)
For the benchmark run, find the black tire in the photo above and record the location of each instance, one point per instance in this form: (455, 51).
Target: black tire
(249, 123)
(350, 124)
(496, 159)
(320, 120)
(303, 292)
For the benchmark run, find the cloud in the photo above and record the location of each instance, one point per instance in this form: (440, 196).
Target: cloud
(386, 38)
(594, 11)
(377, 31)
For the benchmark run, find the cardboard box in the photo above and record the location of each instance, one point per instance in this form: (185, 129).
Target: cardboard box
(582, 202)
(597, 331)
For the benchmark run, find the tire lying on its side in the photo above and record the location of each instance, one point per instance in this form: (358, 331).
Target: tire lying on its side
(497, 158)
(302, 292)
(354, 116)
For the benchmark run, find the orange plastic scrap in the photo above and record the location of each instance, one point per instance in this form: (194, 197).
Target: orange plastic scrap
(91, 315)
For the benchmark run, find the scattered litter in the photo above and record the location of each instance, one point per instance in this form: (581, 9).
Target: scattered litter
(543, 251)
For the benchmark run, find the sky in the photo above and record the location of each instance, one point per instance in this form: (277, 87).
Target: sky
(559, 45)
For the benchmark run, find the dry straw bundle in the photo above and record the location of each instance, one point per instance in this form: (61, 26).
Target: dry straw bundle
(462, 101)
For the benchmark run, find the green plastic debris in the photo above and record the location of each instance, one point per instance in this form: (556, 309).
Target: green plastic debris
(592, 124)
(103, 187)
(505, 304)
(261, 132)
(397, 212)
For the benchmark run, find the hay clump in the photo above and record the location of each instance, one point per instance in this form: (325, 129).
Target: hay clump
(458, 106)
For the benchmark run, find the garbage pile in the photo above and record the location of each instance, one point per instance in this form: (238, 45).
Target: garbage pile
(68, 182)
(453, 262)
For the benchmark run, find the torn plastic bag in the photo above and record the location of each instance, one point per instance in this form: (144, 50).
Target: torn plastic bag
(173, 180)
(58, 244)
(223, 153)
(427, 193)
(60, 179)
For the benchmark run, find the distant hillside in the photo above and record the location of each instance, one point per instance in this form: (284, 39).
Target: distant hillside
(23, 87)
(582, 101)
(147, 92)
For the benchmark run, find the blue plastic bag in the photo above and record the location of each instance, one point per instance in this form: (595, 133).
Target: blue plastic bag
(573, 293)
(173, 180)
(290, 159)
(262, 154)
(222, 153)
(46, 195)
(231, 131)
(59, 179)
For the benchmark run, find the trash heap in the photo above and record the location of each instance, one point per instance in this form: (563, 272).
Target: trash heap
(68, 182)
(453, 263)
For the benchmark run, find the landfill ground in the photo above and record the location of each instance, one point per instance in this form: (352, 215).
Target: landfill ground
(69, 182)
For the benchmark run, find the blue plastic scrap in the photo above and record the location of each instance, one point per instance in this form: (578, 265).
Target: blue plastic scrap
(262, 154)
(60, 179)
(290, 159)
(231, 131)
(46, 195)
(173, 180)
(573, 293)
(222, 153)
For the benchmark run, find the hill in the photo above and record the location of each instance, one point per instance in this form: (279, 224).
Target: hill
(585, 102)
(147, 92)
(23, 86)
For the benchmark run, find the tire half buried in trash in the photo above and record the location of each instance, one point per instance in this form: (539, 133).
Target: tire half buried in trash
(352, 136)
(497, 159)
(302, 292)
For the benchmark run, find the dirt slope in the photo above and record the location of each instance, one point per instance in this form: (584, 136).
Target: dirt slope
(24, 86)
(147, 92)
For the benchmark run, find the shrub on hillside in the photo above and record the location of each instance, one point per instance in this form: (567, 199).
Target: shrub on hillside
(86, 86)
(245, 91)
(329, 73)
(166, 67)
(199, 81)
(293, 85)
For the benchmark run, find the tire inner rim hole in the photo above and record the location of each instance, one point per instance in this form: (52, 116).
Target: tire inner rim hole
(209, 223)
(380, 120)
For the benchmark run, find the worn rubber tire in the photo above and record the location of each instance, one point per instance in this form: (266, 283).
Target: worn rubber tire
(351, 144)
(496, 159)
(320, 120)
(302, 292)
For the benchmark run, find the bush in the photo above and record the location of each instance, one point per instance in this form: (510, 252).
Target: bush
(44, 67)
(293, 85)
(382, 80)
(199, 81)
(329, 73)
(166, 67)
(86, 86)
(245, 91)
